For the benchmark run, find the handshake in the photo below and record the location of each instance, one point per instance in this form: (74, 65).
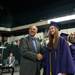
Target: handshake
(39, 56)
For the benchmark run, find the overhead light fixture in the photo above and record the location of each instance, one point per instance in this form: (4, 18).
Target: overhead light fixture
(64, 18)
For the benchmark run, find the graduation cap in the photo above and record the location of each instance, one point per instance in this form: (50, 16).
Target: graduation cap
(64, 35)
(52, 23)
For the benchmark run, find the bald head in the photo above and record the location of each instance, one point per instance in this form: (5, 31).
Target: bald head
(33, 30)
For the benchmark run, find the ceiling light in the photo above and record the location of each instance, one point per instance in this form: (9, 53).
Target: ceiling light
(64, 18)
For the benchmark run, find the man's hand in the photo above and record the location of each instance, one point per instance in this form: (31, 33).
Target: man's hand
(39, 56)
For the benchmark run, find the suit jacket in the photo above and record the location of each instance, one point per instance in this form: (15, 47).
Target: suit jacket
(29, 63)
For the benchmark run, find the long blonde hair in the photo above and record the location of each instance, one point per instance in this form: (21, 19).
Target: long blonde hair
(53, 39)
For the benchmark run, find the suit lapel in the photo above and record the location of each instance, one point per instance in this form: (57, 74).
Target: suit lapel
(29, 43)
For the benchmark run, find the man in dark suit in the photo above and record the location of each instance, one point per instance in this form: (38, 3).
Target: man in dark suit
(30, 53)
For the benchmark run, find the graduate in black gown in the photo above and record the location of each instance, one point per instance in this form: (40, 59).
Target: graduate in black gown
(57, 55)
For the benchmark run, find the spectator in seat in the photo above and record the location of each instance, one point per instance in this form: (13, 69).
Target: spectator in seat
(11, 62)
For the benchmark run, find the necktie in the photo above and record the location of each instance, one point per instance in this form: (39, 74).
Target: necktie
(34, 44)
